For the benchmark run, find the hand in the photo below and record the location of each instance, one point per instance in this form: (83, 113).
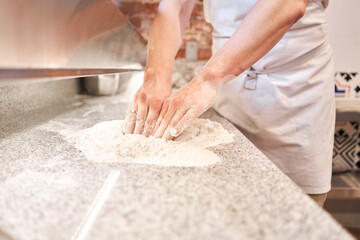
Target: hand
(145, 106)
(184, 106)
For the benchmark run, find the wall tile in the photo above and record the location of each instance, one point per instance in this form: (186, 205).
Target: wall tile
(347, 84)
(357, 153)
(346, 146)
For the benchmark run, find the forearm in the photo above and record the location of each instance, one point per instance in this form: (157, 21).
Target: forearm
(261, 30)
(165, 38)
(164, 41)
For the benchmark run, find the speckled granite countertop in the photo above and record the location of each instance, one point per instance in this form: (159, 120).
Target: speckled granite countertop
(48, 190)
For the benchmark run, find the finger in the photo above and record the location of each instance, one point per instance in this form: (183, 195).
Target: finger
(170, 131)
(150, 122)
(130, 126)
(141, 115)
(165, 121)
(163, 111)
(131, 118)
(185, 121)
(126, 119)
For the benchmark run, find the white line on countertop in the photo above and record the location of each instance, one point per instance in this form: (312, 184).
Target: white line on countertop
(95, 207)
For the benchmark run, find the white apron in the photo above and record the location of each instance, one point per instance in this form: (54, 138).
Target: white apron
(286, 104)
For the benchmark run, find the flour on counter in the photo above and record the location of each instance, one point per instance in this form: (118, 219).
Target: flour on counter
(106, 143)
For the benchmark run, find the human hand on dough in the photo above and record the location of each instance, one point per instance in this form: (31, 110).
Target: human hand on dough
(184, 106)
(145, 106)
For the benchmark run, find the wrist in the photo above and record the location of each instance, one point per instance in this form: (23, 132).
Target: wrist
(162, 76)
(214, 75)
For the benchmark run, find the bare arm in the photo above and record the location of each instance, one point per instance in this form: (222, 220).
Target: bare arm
(261, 30)
(164, 41)
(166, 36)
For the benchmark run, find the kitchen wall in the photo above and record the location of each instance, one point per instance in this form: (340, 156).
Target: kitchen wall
(142, 12)
(344, 33)
(344, 36)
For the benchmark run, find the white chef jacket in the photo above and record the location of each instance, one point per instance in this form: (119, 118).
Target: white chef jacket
(288, 109)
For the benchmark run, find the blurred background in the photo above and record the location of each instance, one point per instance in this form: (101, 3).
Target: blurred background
(54, 52)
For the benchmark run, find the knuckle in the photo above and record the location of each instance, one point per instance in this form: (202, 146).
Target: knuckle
(140, 120)
(157, 102)
(156, 109)
(173, 124)
(174, 103)
(130, 118)
(149, 121)
(167, 101)
(142, 96)
(164, 107)
(158, 121)
(191, 114)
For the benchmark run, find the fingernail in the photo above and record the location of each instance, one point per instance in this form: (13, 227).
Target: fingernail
(146, 133)
(148, 129)
(167, 135)
(174, 132)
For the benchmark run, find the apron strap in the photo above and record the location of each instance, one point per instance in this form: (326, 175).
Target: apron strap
(252, 74)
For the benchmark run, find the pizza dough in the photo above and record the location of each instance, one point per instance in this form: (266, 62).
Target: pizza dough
(106, 143)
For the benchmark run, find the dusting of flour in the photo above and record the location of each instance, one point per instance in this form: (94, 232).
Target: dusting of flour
(106, 143)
